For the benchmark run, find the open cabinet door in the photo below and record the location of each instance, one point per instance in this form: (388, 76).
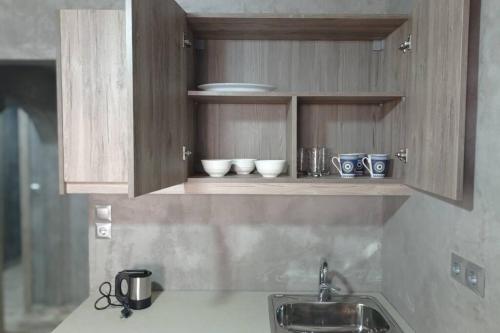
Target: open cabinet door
(158, 94)
(437, 97)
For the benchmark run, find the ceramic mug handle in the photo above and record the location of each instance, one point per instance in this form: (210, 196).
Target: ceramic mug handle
(367, 165)
(339, 167)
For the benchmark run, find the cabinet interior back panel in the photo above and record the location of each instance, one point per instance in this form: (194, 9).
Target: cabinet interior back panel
(240, 131)
(318, 66)
(351, 129)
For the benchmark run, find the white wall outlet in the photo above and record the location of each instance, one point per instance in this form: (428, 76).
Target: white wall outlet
(468, 274)
(103, 230)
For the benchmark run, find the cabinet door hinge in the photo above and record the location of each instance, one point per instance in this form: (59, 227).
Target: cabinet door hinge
(186, 42)
(185, 153)
(402, 155)
(406, 45)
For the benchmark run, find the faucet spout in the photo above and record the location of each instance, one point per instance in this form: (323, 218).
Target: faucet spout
(323, 271)
(326, 288)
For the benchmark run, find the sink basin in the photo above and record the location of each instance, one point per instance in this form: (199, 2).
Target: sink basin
(343, 314)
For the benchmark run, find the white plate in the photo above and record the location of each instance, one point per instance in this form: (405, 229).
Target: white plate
(236, 87)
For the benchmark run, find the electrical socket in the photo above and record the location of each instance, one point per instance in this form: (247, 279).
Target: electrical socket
(458, 268)
(468, 274)
(475, 278)
(103, 230)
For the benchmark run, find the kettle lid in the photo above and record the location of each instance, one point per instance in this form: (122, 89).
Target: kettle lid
(137, 273)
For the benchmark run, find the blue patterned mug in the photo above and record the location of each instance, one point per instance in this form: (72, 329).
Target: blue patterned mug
(347, 164)
(377, 165)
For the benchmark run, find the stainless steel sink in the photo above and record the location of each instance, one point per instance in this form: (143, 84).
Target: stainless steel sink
(342, 314)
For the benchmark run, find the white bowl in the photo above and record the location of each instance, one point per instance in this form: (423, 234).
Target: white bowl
(270, 168)
(243, 166)
(216, 168)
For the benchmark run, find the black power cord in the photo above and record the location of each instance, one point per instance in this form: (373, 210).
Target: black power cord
(106, 295)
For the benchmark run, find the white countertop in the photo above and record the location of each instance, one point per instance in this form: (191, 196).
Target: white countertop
(188, 312)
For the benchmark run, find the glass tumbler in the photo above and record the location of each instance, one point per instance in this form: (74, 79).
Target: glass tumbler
(302, 161)
(324, 161)
(314, 162)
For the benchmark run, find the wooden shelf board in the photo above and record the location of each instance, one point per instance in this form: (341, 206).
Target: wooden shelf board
(351, 98)
(240, 97)
(294, 27)
(256, 185)
(285, 97)
(336, 179)
(289, 189)
(257, 178)
(233, 178)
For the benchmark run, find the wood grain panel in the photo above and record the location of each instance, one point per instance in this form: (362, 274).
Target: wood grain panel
(290, 189)
(281, 186)
(93, 96)
(393, 75)
(257, 178)
(437, 97)
(305, 97)
(240, 131)
(291, 137)
(348, 129)
(305, 66)
(286, 27)
(158, 82)
(239, 97)
(107, 188)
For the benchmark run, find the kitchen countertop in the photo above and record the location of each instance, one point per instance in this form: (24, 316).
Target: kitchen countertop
(189, 312)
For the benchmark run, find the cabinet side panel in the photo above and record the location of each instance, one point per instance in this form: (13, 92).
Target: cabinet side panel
(60, 140)
(437, 97)
(93, 96)
(159, 86)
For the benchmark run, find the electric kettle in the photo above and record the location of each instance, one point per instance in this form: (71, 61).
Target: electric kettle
(137, 295)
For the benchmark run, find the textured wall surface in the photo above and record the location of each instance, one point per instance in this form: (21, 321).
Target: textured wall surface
(244, 243)
(419, 238)
(28, 28)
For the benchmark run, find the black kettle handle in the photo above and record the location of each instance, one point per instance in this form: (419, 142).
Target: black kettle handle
(122, 298)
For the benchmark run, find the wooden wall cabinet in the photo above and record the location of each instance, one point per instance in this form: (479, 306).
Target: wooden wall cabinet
(129, 107)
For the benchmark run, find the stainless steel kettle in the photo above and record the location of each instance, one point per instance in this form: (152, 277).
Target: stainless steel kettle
(138, 292)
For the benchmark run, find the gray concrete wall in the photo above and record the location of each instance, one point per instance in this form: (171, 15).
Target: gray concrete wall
(420, 237)
(241, 242)
(28, 28)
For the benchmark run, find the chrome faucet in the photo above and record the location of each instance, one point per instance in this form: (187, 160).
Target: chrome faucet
(326, 288)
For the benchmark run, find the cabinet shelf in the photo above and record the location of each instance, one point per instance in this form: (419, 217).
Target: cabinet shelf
(294, 27)
(239, 97)
(303, 97)
(233, 178)
(257, 178)
(286, 185)
(341, 189)
(256, 185)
